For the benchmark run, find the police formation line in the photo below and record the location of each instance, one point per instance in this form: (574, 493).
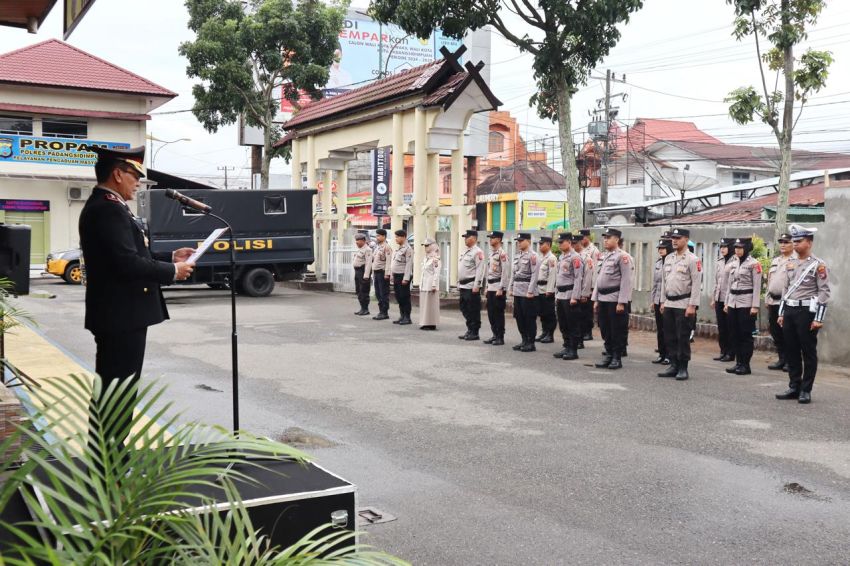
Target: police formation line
(566, 292)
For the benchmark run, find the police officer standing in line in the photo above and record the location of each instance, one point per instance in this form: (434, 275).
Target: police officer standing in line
(402, 272)
(123, 295)
(589, 251)
(680, 292)
(382, 256)
(546, 291)
(585, 310)
(722, 268)
(776, 276)
(470, 273)
(665, 247)
(362, 272)
(801, 314)
(742, 304)
(568, 284)
(498, 274)
(611, 299)
(523, 287)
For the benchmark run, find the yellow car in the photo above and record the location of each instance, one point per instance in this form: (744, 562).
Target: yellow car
(66, 264)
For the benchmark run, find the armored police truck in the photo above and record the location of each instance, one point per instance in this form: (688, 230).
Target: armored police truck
(273, 233)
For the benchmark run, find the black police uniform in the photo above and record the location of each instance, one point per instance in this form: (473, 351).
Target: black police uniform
(123, 296)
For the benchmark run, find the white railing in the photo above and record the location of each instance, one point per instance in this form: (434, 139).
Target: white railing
(340, 272)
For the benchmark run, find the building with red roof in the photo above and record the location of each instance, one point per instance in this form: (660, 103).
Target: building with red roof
(56, 103)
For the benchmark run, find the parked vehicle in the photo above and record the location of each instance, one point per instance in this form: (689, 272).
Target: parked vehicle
(65, 264)
(273, 235)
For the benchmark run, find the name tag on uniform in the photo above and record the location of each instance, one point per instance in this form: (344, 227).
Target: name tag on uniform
(681, 269)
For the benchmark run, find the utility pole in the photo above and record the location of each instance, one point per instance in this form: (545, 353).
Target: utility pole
(603, 190)
(225, 169)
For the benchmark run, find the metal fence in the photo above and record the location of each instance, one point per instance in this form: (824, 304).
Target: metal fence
(341, 273)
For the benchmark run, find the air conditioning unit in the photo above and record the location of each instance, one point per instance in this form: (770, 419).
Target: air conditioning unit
(78, 193)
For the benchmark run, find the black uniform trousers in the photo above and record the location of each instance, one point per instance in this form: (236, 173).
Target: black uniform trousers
(742, 324)
(402, 295)
(724, 333)
(382, 290)
(569, 322)
(659, 331)
(801, 348)
(546, 310)
(362, 287)
(496, 313)
(614, 327)
(120, 356)
(470, 307)
(775, 330)
(677, 333)
(525, 313)
(587, 318)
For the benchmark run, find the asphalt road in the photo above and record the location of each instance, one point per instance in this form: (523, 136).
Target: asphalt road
(490, 456)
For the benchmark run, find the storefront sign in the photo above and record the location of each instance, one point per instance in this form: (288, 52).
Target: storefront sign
(544, 215)
(24, 205)
(51, 151)
(380, 181)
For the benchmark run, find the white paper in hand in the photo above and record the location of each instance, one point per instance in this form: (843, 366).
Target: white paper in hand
(215, 235)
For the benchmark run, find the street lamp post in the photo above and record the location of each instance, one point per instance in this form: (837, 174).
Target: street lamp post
(164, 143)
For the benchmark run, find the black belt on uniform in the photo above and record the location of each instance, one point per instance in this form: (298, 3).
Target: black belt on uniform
(741, 291)
(678, 297)
(522, 279)
(562, 288)
(544, 282)
(774, 297)
(606, 290)
(494, 280)
(465, 281)
(378, 270)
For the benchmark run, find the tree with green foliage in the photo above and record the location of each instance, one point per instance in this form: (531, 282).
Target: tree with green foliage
(783, 24)
(245, 55)
(567, 38)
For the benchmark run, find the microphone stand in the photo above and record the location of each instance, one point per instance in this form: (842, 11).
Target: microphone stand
(234, 339)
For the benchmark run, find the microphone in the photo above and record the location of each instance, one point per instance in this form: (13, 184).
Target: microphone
(186, 201)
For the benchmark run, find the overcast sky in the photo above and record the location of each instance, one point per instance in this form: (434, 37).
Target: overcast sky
(678, 57)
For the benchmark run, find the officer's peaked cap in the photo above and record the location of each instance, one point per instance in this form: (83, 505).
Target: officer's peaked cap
(134, 157)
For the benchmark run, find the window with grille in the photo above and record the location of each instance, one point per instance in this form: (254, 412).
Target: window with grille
(497, 142)
(16, 125)
(60, 128)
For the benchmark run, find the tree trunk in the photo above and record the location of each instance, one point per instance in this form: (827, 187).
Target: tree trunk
(785, 139)
(568, 158)
(267, 158)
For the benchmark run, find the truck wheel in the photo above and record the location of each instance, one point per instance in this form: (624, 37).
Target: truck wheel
(73, 274)
(258, 282)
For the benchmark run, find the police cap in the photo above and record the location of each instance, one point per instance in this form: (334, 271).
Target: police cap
(134, 157)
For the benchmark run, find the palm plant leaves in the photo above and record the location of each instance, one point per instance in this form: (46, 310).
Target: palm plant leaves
(96, 500)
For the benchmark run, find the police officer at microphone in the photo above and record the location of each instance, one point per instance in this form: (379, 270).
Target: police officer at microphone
(802, 313)
(123, 295)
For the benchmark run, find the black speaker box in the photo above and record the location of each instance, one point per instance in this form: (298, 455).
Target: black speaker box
(15, 256)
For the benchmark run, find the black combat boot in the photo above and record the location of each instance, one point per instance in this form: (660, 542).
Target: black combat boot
(547, 338)
(499, 341)
(616, 362)
(790, 393)
(682, 374)
(405, 320)
(605, 361)
(727, 357)
(519, 347)
(560, 354)
(529, 347)
(743, 369)
(472, 336)
(672, 370)
(541, 337)
(570, 355)
(381, 316)
(490, 340)
(463, 336)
